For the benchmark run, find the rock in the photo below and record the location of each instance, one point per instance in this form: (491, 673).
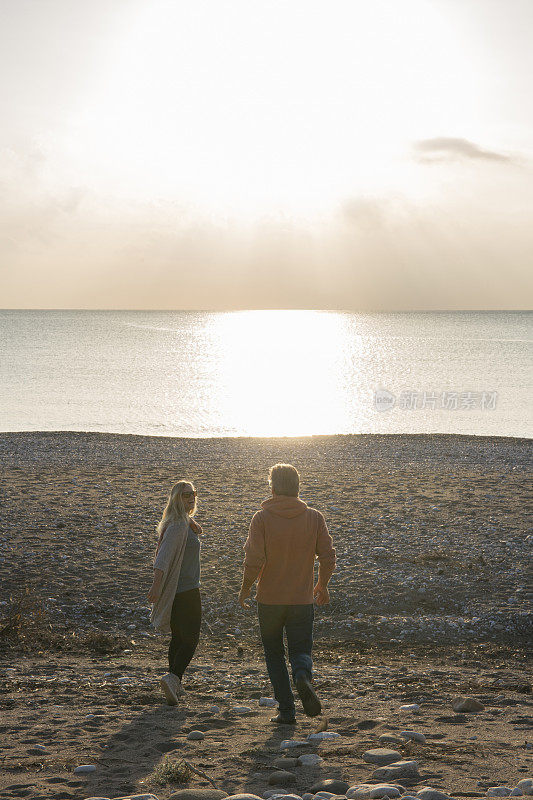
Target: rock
(330, 785)
(391, 738)
(139, 797)
(368, 724)
(410, 707)
(307, 796)
(285, 763)
(281, 778)
(37, 750)
(525, 786)
(310, 760)
(497, 791)
(399, 769)
(414, 736)
(196, 736)
(84, 769)
(317, 737)
(366, 791)
(240, 710)
(198, 794)
(288, 744)
(267, 702)
(283, 795)
(214, 710)
(381, 756)
(244, 796)
(466, 704)
(427, 793)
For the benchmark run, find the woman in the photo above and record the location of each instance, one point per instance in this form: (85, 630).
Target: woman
(175, 592)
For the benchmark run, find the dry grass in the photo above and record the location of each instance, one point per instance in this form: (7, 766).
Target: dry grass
(27, 626)
(170, 771)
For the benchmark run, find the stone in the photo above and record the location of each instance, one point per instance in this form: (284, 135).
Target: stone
(267, 702)
(366, 791)
(84, 769)
(381, 756)
(330, 785)
(288, 744)
(281, 778)
(198, 794)
(285, 763)
(498, 791)
(428, 793)
(196, 736)
(244, 796)
(37, 750)
(139, 797)
(414, 736)
(284, 796)
(240, 710)
(318, 737)
(467, 704)
(525, 786)
(391, 738)
(398, 769)
(410, 707)
(368, 724)
(310, 760)
(214, 710)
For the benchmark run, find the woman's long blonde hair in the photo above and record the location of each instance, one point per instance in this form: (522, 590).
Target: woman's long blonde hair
(174, 509)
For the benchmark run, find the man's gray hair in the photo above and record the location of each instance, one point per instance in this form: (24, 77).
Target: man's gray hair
(284, 479)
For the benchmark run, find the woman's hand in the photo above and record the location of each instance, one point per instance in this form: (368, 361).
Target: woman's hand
(154, 594)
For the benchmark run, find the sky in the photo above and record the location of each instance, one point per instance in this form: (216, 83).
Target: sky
(330, 154)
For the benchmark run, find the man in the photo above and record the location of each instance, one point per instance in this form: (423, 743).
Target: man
(284, 539)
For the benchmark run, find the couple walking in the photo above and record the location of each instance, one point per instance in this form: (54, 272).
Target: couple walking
(284, 539)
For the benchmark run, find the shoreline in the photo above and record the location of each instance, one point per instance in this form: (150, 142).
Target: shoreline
(267, 438)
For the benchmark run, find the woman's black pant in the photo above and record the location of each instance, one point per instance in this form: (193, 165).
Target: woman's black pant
(185, 623)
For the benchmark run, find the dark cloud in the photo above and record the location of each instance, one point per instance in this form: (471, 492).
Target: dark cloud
(446, 148)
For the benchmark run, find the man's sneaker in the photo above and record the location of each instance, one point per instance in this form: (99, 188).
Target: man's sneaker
(307, 694)
(284, 718)
(170, 688)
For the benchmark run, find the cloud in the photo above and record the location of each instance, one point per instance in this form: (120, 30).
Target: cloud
(362, 212)
(447, 148)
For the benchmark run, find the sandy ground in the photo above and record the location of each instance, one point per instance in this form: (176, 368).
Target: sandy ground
(431, 599)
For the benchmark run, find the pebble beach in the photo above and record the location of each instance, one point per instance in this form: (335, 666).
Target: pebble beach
(430, 604)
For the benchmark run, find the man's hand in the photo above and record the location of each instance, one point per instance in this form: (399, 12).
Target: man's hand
(321, 594)
(244, 594)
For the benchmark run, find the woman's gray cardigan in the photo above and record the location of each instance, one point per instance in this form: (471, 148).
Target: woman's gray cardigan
(169, 559)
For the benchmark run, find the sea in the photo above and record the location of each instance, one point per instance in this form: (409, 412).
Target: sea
(266, 373)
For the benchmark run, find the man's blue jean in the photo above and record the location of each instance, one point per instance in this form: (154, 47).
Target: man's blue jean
(297, 621)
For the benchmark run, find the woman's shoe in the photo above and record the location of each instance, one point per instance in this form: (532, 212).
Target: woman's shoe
(178, 688)
(169, 687)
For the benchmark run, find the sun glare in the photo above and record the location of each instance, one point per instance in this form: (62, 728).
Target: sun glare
(301, 351)
(243, 108)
